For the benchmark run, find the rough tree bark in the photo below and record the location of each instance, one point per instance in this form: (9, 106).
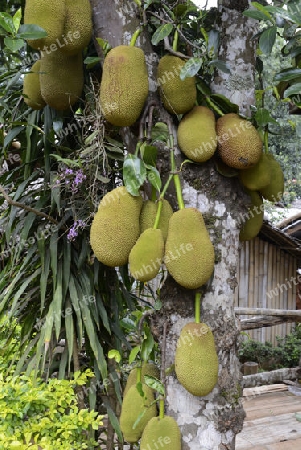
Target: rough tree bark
(211, 422)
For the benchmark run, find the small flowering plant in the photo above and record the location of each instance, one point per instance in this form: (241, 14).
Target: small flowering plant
(70, 178)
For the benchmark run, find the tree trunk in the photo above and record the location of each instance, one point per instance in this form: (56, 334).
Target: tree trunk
(211, 422)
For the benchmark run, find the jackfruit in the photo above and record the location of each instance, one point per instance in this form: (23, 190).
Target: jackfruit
(189, 253)
(78, 26)
(148, 216)
(196, 361)
(254, 219)
(124, 85)
(146, 369)
(164, 433)
(274, 190)
(61, 79)
(115, 227)
(258, 176)
(133, 406)
(196, 134)
(32, 89)
(178, 96)
(146, 256)
(50, 15)
(239, 143)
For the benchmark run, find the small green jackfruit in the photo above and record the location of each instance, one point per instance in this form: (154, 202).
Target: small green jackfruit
(258, 176)
(32, 89)
(115, 227)
(164, 433)
(274, 190)
(49, 15)
(196, 134)
(254, 219)
(178, 96)
(61, 79)
(124, 85)
(132, 406)
(196, 361)
(146, 256)
(239, 143)
(148, 216)
(189, 253)
(78, 26)
(147, 369)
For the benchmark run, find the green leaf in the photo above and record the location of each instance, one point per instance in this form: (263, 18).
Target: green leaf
(263, 117)
(267, 40)
(263, 10)
(31, 31)
(257, 15)
(221, 65)
(11, 135)
(114, 354)
(162, 32)
(287, 74)
(149, 153)
(153, 383)
(147, 345)
(6, 22)
(154, 178)
(17, 19)
(90, 61)
(134, 353)
(160, 132)
(14, 45)
(134, 174)
(191, 68)
(294, 89)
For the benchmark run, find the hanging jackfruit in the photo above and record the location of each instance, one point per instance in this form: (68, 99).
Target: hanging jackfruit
(148, 216)
(196, 134)
(78, 26)
(61, 79)
(258, 176)
(164, 432)
(115, 227)
(196, 361)
(254, 219)
(124, 85)
(178, 96)
(32, 89)
(147, 369)
(189, 253)
(274, 190)
(49, 15)
(134, 405)
(239, 143)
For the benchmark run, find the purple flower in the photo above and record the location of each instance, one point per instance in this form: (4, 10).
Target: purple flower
(73, 232)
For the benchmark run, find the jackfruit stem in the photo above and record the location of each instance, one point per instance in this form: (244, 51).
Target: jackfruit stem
(177, 181)
(197, 308)
(138, 380)
(175, 40)
(138, 146)
(214, 106)
(266, 141)
(134, 37)
(161, 407)
(158, 215)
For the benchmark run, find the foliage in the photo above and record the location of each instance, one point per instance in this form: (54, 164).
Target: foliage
(34, 413)
(9, 345)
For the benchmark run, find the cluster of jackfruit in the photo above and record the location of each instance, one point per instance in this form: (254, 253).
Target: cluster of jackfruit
(57, 78)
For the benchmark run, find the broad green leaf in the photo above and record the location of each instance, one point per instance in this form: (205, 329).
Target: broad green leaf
(134, 174)
(76, 307)
(147, 345)
(262, 8)
(17, 19)
(31, 31)
(69, 327)
(221, 65)
(162, 32)
(153, 383)
(257, 15)
(267, 40)
(224, 103)
(14, 45)
(149, 153)
(6, 22)
(191, 68)
(263, 117)
(295, 89)
(154, 178)
(160, 132)
(134, 353)
(11, 135)
(114, 421)
(114, 354)
(287, 74)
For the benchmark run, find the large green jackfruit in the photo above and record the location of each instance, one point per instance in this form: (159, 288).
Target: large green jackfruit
(132, 406)
(196, 361)
(148, 216)
(32, 89)
(189, 253)
(196, 134)
(147, 254)
(50, 15)
(274, 190)
(178, 96)
(78, 26)
(124, 85)
(258, 176)
(254, 218)
(115, 227)
(61, 79)
(164, 433)
(239, 143)
(147, 369)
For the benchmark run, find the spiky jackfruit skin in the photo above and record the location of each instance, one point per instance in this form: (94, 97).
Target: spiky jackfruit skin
(254, 219)
(148, 216)
(258, 176)
(197, 135)
(178, 96)
(49, 15)
(32, 89)
(146, 369)
(124, 85)
(274, 190)
(132, 406)
(239, 143)
(78, 26)
(196, 361)
(146, 256)
(189, 253)
(61, 79)
(115, 227)
(165, 433)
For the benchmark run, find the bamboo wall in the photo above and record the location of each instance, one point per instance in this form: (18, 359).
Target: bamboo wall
(263, 267)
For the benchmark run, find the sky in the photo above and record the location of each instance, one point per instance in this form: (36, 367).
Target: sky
(202, 3)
